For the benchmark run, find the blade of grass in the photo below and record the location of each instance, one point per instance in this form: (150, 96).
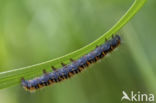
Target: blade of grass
(13, 77)
(139, 55)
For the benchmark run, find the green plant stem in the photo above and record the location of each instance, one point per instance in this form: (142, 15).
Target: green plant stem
(13, 77)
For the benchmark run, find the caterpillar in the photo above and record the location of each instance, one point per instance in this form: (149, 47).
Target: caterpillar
(75, 67)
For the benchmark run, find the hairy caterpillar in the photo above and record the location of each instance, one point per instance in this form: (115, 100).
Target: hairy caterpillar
(75, 67)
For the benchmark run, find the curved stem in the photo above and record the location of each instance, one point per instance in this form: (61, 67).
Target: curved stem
(13, 77)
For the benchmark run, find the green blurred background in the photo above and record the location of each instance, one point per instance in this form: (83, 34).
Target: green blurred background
(33, 31)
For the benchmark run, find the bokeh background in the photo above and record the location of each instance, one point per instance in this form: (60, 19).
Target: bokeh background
(33, 31)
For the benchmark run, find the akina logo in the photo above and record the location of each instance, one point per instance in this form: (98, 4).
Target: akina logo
(137, 97)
